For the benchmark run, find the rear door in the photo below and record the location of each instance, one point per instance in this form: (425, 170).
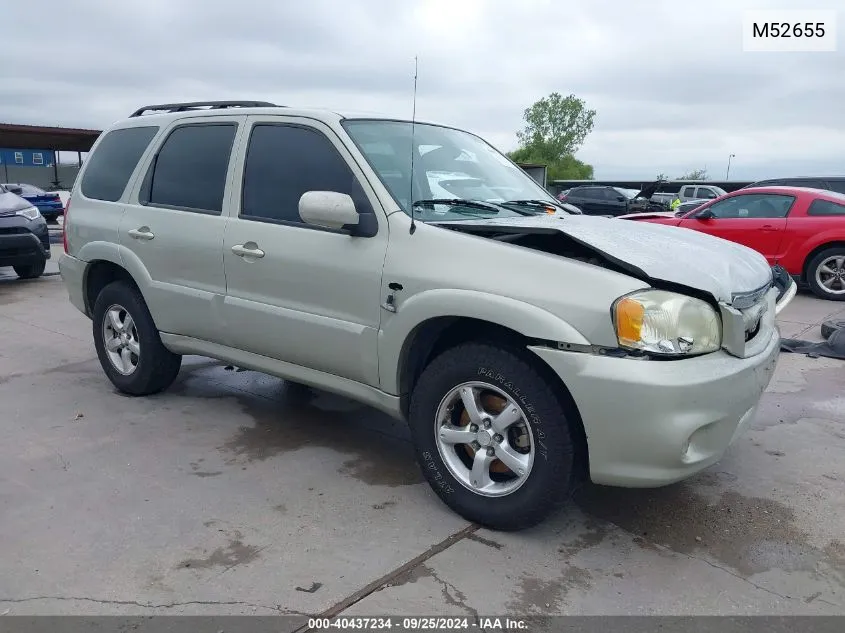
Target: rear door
(611, 203)
(687, 192)
(174, 224)
(705, 193)
(589, 200)
(754, 220)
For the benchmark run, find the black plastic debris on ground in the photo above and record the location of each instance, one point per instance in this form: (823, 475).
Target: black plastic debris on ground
(833, 347)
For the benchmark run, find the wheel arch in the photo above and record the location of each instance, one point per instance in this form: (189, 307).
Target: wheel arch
(439, 334)
(818, 249)
(98, 275)
(107, 262)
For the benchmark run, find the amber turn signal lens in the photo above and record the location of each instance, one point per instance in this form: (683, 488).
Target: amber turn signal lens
(629, 321)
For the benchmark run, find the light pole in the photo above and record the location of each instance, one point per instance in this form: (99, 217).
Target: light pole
(728, 174)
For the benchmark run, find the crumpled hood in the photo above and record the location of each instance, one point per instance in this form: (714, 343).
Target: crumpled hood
(649, 190)
(667, 253)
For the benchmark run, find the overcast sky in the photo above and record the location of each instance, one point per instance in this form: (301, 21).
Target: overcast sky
(672, 88)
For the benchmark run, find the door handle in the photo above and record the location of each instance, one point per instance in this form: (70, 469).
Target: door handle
(767, 228)
(141, 234)
(242, 251)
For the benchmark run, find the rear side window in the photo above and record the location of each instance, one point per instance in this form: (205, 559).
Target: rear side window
(285, 161)
(825, 207)
(112, 163)
(189, 171)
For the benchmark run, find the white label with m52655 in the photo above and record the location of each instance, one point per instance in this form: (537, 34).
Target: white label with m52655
(789, 30)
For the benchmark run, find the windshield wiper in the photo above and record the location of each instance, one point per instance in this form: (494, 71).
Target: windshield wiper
(538, 203)
(478, 204)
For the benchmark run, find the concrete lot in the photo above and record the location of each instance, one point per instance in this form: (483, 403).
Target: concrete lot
(236, 493)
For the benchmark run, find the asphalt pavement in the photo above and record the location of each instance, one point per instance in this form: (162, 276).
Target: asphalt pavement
(235, 492)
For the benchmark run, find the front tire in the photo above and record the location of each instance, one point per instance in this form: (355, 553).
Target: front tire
(31, 271)
(494, 440)
(826, 274)
(128, 344)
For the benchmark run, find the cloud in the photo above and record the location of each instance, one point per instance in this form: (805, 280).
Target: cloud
(671, 86)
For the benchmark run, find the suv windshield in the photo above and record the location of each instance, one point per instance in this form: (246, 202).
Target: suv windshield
(449, 165)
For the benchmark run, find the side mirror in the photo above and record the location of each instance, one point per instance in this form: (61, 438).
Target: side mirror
(621, 198)
(706, 214)
(328, 209)
(14, 189)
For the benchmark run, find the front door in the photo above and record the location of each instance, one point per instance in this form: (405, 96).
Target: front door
(295, 292)
(174, 225)
(754, 220)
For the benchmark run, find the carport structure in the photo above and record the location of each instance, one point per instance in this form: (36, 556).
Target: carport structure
(55, 139)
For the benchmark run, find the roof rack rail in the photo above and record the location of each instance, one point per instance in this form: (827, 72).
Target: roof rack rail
(199, 105)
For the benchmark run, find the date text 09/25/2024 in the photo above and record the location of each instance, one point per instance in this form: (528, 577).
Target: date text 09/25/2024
(417, 624)
(793, 30)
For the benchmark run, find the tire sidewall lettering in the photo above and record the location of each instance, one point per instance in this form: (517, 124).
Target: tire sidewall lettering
(533, 418)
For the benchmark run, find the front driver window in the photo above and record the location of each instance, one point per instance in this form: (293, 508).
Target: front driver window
(753, 206)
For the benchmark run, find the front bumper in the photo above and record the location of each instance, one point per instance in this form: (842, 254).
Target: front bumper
(50, 209)
(22, 248)
(651, 423)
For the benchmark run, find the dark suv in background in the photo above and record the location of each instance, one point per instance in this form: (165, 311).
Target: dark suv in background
(612, 201)
(24, 238)
(829, 183)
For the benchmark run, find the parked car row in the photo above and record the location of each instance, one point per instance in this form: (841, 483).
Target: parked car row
(311, 245)
(611, 201)
(798, 228)
(24, 237)
(49, 203)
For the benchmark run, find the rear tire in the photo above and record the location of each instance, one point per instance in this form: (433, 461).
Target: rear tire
(507, 501)
(31, 271)
(819, 272)
(128, 343)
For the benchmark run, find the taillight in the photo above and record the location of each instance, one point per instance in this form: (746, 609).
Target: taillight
(64, 226)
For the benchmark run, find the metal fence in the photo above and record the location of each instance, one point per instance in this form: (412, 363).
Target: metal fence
(40, 176)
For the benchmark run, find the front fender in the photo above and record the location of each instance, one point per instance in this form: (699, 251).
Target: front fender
(527, 319)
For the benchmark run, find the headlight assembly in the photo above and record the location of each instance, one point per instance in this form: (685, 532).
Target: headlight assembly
(666, 324)
(30, 213)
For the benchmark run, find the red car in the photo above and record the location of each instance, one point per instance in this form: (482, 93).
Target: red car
(802, 230)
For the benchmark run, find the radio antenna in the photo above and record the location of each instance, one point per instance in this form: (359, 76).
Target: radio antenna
(413, 151)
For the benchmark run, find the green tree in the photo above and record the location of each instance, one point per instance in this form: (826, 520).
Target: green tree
(555, 127)
(566, 168)
(695, 174)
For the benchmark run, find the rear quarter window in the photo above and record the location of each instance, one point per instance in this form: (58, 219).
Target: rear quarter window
(113, 161)
(826, 208)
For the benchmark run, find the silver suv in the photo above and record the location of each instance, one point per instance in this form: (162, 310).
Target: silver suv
(528, 350)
